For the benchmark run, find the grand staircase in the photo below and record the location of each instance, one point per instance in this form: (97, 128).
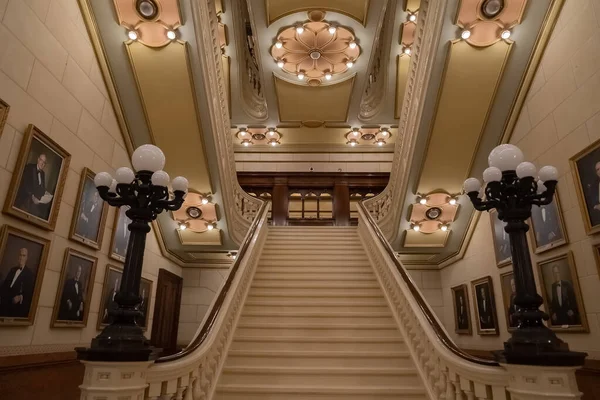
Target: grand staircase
(316, 325)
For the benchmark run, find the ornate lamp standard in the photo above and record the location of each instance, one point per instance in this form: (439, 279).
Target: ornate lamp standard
(512, 189)
(146, 194)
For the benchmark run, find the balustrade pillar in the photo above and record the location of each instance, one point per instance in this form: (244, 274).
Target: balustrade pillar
(528, 382)
(114, 380)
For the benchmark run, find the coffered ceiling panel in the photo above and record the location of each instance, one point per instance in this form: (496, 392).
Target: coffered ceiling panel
(356, 9)
(313, 104)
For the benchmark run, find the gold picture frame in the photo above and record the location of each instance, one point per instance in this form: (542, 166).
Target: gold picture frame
(29, 196)
(77, 232)
(461, 291)
(554, 212)
(588, 185)
(28, 283)
(561, 320)
(501, 244)
(120, 235)
(506, 281)
(112, 283)
(596, 248)
(4, 109)
(71, 307)
(488, 316)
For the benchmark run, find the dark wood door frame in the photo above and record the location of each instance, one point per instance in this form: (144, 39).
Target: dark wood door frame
(166, 303)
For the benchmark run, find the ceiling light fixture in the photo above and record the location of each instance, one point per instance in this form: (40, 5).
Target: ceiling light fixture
(280, 63)
(465, 34)
(415, 227)
(444, 227)
(332, 29)
(246, 142)
(278, 44)
(452, 201)
(204, 200)
(422, 200)
(505, 34)
(412, 17)
(182, 226)
(380, 142)
(349, 64)
(301, 76)
(232, 255)
(328, 76)
(352, 142)
(352, 45)
(384, 132)
(171, 34)
(274, 142)
(132, 35)
(299, 29)
(406, 50)
(211, 225)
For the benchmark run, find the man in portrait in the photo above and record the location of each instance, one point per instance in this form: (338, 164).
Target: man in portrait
(512, 308)
(31, 195)
(110, 303)
(462, 318)
(563, 303)
(592, 193)
(72, 299)
(89, 217)
(16, 291)
(486, 318)
(546, 224)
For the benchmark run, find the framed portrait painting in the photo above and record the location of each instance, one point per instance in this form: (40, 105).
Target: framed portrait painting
(509, 292)
(462, 314)
(38, 180)
(89, 219)
(22, 264)
(112, 284)
(72, 304)
(586, 168)
(485, 306)
(500, 239)
(562, 295)
(4, 109)
(547, 226)
(120, 237)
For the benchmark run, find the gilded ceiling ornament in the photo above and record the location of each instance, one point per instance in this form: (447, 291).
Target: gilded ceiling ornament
(315, 51)
(196, 214)
(150, 20)
(489, 21)
(376, 136)
(434, 212)
(260, 136)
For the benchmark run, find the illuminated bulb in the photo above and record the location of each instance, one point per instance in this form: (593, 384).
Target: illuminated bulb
(299, 29)
(301, 76)
(278, 44)
(406, 51)
(204, 200)
(384, 132)
(273, 142)
(271, 132)
(280, 63)
(412, 17)
(465, 34)
(332, 29)
(352, 142)
(352, 45)
(234, 256)
(132, 35)
(444, 227)
(505, 34)
(171, 35)
(355, 132)
(328, 76)
(452, 202)
(380, 142)
(416, 228)
(423, 201)
(349, 64)
(246, 142)
(210, 226)
(182, 226)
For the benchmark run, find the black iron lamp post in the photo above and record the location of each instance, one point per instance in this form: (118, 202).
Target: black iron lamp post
(146, 194)
(512, 189)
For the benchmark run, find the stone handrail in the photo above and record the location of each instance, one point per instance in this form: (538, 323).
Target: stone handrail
(448, 372)
(193, 374)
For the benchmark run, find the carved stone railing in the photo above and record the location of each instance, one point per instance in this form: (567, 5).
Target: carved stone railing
(424, 49)
(240, 207)
(448, 372)
(191, 374)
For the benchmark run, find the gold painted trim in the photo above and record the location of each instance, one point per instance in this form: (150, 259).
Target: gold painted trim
(107, 72)
(323, 8)
(425, 246)
(199, 243)
(584, 327)
(4, 110)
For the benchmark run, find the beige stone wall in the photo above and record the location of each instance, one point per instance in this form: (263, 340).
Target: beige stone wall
(430, 284)
(50, 77)
(561, 117)
(200, 286)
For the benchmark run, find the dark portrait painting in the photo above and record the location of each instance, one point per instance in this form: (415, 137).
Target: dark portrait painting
(112, 284)
(485, 307)
(547, 226)
(90, 213)
(38, 180)
(4, 109)
(509, 292)
(22, 264)
(561, 293)
(462, 314)
(500, 239)
(120, 235)
(72, 304)
(586, 168)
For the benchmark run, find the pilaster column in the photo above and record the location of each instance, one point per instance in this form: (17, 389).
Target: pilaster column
(114, 380)
(534, 382)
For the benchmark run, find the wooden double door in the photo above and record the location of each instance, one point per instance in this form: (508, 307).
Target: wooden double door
(166, 312)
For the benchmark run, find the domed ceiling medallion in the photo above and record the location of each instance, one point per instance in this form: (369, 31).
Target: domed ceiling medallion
(315, 51)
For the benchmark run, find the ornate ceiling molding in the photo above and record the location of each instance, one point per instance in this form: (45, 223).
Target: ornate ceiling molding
(150, 22)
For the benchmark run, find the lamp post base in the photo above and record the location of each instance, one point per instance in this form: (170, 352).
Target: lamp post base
(538, 346)
(119, 343)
